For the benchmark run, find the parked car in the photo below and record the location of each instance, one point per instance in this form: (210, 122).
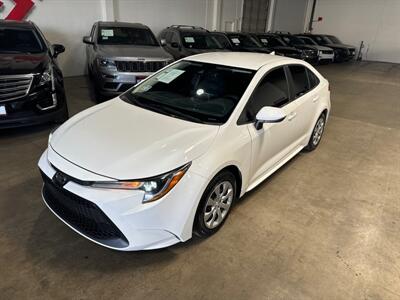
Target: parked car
(342, 52)
(120, 55)
(182, 147)
(275, 43)
(236, 41)
(186, 40)
(324, 54)
(31, 83)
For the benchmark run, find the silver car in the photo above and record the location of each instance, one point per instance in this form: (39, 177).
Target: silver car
(119, 55)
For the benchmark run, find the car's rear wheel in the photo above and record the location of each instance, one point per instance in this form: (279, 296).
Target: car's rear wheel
(317, 132)
(215, 204)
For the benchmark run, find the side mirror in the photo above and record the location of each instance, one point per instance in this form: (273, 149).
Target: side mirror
(163, 42)
(87, 40)
(269, 114)
(57, 49)
(174, 45)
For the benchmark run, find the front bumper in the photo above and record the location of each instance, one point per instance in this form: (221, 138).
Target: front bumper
(112, 84)
(37, 107)
(118, 219)
(324, 57)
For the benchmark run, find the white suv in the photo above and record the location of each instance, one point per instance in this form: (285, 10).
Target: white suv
(172, 155)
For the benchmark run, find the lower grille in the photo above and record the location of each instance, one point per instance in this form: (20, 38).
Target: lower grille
(139, 66)
(83, 215)
(14, 86)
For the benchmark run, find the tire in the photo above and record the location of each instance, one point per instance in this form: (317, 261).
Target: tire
(214, 206)
(316, 134)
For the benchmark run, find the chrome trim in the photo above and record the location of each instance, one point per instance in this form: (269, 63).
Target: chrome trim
(54, 97)
(18, 88)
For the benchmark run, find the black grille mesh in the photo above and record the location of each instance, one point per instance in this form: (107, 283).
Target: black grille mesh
(139, 66)
(83, 215)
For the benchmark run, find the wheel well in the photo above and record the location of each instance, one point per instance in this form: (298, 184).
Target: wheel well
(238, 175)
(325, 112)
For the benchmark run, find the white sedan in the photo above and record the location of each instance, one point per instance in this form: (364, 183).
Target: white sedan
(172, 155)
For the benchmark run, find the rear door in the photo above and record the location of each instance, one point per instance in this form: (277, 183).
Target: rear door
(305, 96)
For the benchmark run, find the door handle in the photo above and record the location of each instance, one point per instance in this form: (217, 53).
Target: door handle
(291, 116)
(315, 99)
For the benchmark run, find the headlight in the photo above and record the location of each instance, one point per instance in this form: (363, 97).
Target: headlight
(47, 76)
(106, 63)
(153, 188)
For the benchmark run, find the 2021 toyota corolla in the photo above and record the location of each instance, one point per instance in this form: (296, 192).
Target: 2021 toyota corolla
(172, 155)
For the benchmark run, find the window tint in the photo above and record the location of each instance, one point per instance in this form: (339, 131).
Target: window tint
(314, 81)
(174, 38)
(300, 80)
(168, 36)
(19, 40)
(271, 91)
(126, 36)
(92, 31)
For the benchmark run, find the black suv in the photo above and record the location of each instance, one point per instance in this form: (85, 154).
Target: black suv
(184, 40)
(275, 43)
(342, 52)
(242, 42)
(31, 83)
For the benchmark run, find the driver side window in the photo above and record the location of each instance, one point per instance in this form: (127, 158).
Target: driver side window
(273, 90)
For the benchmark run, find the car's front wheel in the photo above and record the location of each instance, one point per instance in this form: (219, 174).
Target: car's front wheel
(316, 134)
(215, 204)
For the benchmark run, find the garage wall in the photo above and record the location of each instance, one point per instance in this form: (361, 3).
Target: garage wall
(289, 15)
(376, 22)
(158, 14)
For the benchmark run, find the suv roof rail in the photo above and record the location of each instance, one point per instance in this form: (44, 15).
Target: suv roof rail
(282, 32)
(188, 26)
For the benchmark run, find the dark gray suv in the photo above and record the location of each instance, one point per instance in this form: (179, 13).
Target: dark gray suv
(120, 55)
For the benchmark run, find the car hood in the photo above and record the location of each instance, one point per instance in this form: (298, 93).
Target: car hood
(285, 49)
(343, 46)
(318, 47)
(19, 63)
(132, 51)
(122, 141)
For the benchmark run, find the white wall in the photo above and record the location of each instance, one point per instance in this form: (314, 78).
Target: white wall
(231, 15)
(376, 22)
(289, 15)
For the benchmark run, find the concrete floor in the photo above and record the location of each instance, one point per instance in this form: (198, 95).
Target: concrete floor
(326, 226)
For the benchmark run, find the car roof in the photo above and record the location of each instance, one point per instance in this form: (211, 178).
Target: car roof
(122, 24)
(19, 24)
(245, 60)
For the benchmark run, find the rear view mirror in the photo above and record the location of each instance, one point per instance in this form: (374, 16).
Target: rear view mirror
(57, 49)
(163, 42)
(269, 114)
(87, 40)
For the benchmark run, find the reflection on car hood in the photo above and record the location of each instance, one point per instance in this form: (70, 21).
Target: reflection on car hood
(340, 46)
(20, 63)
(318, 47)
(132, 51)
(123, 141)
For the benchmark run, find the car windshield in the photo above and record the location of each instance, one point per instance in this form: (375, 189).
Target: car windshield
(242, 40)
(333, 39)
(222, 40)
(126, 36)
(271, 41)
(15, 40)
(308, 41)
(292, 40)
(199, 41)
(193, 91)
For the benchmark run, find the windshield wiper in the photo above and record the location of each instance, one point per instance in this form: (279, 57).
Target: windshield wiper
(164, 109)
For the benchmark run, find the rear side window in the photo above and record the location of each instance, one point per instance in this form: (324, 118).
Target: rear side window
(300, 80)
(314, 80)
(272, 90)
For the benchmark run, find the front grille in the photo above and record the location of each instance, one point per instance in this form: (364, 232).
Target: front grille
(327, 52)
(83, 215)
(14, 87)
(139, 66)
